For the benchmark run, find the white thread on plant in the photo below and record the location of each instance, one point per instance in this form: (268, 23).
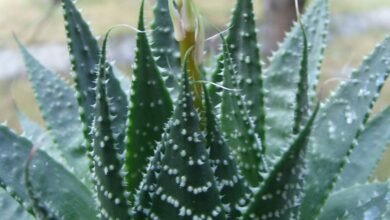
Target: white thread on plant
(345, 70)
(218, 34)
(326, 82)
(217, 85)
(170, 69)
(131, 27)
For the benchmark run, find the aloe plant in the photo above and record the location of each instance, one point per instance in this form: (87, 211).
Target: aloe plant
(254, 144)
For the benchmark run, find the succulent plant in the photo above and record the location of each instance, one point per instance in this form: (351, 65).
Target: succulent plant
(252, 144)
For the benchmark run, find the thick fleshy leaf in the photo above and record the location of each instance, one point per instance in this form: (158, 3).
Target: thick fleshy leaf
(61, 191)
(239, 128)
(234, 190)
(242, 42)
(185, 187)
(282, 76)
(279, 197)
(339, 124)
(369, 201)
(40, 137)
(105, 152)
(147, 189)
(84, 54)
(10, 209)
(150, 108)
(166, 48)
(40, 210)
(302, 97)
(217, 79)
(58, 107)
(364, 158)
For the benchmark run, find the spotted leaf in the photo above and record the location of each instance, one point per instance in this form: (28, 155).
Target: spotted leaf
(39, 137)
(234, 189)
(217, 78)
(166, 48)
(242, 42)
(150, 108)
(60, 191)
(58, 107)
(283, 75)
(147, 189)
(105, 153)
(40, 210)
(185, 185)
(339, 125)
(302, 96)
(280, 195)
(239, 128)
(84, 54)
(372, 141)
(368, 201)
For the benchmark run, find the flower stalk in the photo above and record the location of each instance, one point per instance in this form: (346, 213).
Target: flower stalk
(189, 32)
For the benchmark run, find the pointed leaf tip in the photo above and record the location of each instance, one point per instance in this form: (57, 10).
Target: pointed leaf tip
(282, 190)
(284, 73)
(233, 188)
(239, 127)
(166, 48)
(245, 53)
(185, 184)
(150, 110)
(105, 153)
(84, 53)
(58, 106)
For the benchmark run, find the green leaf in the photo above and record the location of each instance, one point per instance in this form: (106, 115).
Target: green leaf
(84, 53)
(234, 190)
(302, 96)
(368, 201)
(147, 189)
(239, 128)
(279, 196)
(339, 124)
(282, 76)
(60, 190)
(217, 78)
(10, 209)
(105, 154)
(150, 108)
(41, 211)
(58, 107)
(40, 138)
(372, 143)
(242, 42)
(166, 48)
(185, 186)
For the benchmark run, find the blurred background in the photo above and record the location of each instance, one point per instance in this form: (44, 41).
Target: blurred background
(356, 27)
